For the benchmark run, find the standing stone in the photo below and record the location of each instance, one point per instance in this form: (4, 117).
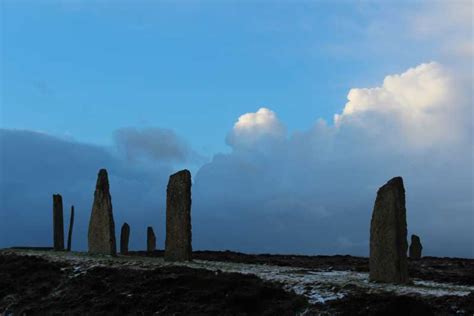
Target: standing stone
(178, 217)
(415, 247)
(71, 224)
(58, 225)
(150, 240)
(124, 238)
(388, 235)
(101, 236)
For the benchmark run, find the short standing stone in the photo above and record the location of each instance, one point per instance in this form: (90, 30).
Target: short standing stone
(150, 240)
(124, 238)
(101, 236)
(178, 217)
(415, 247)
(58, 225)
(388, 235)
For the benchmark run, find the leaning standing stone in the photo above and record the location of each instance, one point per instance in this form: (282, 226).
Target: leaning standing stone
(71, 224)
(58, 225)
(150, 240)
(388, 235)
(101, 236)
(178, 217)
(415, 247)
(124, 238)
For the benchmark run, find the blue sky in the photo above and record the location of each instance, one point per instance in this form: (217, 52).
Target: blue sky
(290, 115)
(84, 68)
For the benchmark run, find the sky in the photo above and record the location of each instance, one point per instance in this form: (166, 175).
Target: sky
(289, 114)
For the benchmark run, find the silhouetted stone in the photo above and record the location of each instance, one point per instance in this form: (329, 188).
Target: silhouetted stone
(415, 247)
(58, 225)
(71, 224)
(101, 236)
(388, 235)
(124, 238)
(150, 240)
(178, 217)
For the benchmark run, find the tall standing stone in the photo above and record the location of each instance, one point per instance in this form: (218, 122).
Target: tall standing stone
(150, 240)
(178, 217)
(101, 236)
(58, 225)
(415, 247)
(388, 235)
(124, 238)
(71, 224)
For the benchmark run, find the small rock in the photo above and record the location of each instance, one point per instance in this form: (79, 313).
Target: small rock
(415, 247)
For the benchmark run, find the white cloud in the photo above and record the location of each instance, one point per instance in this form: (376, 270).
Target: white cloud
(253, 128)
(421, 105)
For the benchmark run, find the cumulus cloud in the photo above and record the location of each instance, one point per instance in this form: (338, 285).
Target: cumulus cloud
(256, 128)
(419, 88)
(422, 105)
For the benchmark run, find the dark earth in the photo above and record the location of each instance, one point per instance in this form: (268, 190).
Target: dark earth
(32, 285)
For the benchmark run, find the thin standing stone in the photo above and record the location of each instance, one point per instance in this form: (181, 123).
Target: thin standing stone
(71, 224)
(58, 225)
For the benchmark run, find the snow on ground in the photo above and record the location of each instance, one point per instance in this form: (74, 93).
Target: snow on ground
(321, 286)
(317, 286)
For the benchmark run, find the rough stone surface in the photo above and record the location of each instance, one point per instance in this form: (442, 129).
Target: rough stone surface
(124, 238)
(71, 224)
(101, 236)
(178, 217)
(58, 225)
(415, 247)
(388, 235)
(150, 240)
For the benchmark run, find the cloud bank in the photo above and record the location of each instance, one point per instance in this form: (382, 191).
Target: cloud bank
(34, 166)
(309, 191)
(313, 191)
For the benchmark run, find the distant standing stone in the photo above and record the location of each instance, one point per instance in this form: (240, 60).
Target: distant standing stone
(124, 238)
(388, 235)
(71, 224)
(101, 236)
(150, 240)
(58, 225)
(415, 247)
(178, 217)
